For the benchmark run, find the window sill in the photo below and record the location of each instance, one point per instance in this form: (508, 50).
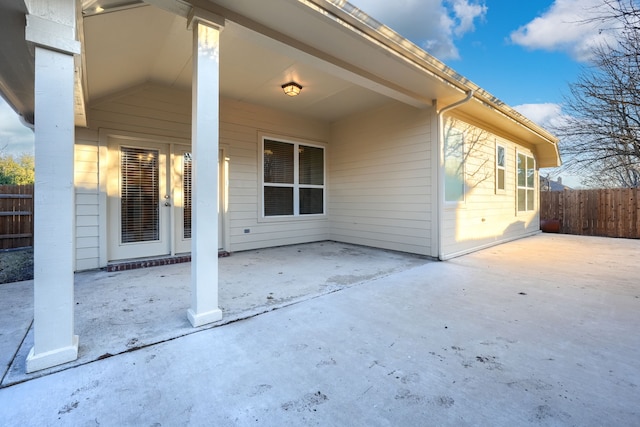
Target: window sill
(292, 218)
(450, 206)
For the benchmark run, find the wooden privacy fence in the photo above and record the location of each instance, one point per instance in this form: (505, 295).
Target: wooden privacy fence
(607, 212)
(16, 216)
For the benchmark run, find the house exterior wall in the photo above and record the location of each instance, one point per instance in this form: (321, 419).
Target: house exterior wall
(380, 172)
(487, 216)
(87, 196)
(153, 111)
(240, 130)
(380, 179)
(161, 113)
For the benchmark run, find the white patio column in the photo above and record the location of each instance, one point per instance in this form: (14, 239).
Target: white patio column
(204, 146)
(51, 29)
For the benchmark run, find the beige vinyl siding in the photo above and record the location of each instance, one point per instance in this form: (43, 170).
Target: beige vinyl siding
(152, 110)
(87, 237)
(486, 217)
(147, 109)
(240, 130)
(380, 185)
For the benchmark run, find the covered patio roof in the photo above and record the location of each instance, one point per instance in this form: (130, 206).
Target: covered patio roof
(346, 61)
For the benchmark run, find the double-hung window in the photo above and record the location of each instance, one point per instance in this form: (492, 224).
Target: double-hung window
(293, 181)
(526, 183)
(501, 168)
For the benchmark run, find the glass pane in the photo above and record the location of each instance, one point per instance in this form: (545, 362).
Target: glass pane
(454, 187)
(139, 195)
(522, 200)
(311, 165)
(530, 199)
(186, 195)
(500, 160)
(311, 201)
(522, 164)
(278, 162)
(501, 179)
(453, 166)
(278, 201)
(530, 172)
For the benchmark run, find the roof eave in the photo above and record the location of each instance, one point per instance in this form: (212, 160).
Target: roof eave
(400, 45)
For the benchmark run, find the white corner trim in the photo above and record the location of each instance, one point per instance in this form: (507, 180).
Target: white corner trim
(52, 358)
(51, 35)
(203, 318)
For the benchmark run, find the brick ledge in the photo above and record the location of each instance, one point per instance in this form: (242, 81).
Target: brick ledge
(155, 262)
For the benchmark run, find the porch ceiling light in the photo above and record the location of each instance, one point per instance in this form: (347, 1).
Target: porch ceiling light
(291, 88)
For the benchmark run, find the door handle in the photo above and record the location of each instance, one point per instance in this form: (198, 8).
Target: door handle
(167, 204)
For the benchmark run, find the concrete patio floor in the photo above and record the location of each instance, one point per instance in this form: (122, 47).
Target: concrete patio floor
(540, 331)
(122, 311)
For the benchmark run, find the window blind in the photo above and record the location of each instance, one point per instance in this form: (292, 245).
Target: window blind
(139, 195)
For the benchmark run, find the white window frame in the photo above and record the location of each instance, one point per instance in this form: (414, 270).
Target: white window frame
(502, 168)
(463, 169)
(296, 185)
(526, 188)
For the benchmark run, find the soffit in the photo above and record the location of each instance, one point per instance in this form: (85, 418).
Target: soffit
(145, 44)
(496, 122)
(412, 72)
(315, 31)
(16, 61)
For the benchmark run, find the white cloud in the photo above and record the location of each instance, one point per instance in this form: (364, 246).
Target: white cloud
(547, 115)
(465, 15)
(568, 26)
(15, 138)
(431, 24)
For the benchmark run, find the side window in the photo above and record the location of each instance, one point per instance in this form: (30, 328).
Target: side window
(454, 165)
(526, 183)
(293, 179)
(501, 167)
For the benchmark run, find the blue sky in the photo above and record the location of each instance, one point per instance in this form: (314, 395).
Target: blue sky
(523, 52)
(514, 73)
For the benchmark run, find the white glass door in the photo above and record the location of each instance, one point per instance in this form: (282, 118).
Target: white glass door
(182, 173)
(149, 199)
(139, 201)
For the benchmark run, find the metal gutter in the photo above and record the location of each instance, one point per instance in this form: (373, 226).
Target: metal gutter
(25, 122)
(386, 36)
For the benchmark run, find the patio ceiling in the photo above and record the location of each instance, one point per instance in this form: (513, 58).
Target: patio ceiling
(16, 64)
(144, 44)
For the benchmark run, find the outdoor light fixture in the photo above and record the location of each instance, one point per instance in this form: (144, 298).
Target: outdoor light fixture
(291, 88)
